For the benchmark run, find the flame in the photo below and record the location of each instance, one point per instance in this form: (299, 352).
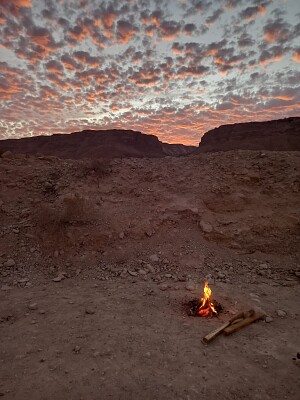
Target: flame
(207, 306)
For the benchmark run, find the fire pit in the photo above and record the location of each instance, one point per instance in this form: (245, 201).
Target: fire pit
(206, 307)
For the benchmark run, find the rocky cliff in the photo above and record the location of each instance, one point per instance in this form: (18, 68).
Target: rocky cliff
(282, 134)
(94, 144)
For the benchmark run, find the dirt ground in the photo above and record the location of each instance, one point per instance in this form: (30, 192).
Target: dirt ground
(98, 259)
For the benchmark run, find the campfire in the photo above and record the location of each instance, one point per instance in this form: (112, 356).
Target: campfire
(206, 307)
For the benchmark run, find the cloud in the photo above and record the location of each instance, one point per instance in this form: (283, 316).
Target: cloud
(277, 31)
(169, 30)
(273, 54)
(252, 12)
(245, 40)
(20, 3)
(86, 58)
(54, 66)
(69, 62)
(125, 31)
(296, 55)
(215, 16)
(189, 29)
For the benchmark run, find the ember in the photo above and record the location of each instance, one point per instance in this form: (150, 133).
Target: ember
(206, 307)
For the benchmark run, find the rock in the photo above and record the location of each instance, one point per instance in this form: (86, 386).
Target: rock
(23, 280)
(268, 319)
(6, 287)
(168, 275)
(33, 306)
(150, 268)
(76, 349)
(154, 258)
(210, 280)
(7, 154)
(206, 226)
(9, 263)
(190, 286)
(58, 278)
(56, 254)
(263, 266)
(132, 273)
(89, 311)
(142, 272)
(221, 275)
(48, 185)
(121, 235)
(281, 313)
(163, 286)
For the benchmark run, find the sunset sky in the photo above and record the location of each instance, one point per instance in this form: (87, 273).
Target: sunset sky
(171, 68)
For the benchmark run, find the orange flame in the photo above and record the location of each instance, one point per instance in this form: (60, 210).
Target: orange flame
(207, 306)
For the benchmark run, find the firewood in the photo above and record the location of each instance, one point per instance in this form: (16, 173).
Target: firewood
(209, 337)
(245, 322)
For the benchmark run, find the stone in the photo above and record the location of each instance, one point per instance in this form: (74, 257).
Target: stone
(121, 235)
(58, 278)
(150, 268)
(132, 273)
(142, 272)
(23, 280)
(56, 254)
(154, 258)
(206, 226)
(76, 349)
(163, 287)
(33, 306)
(9, 263)
(221, 275)
(7, 154)
(263, 266)
(281, 313)
(190, 286)
(89, 311)
(168, 275)
(268, 319)
(6, 287)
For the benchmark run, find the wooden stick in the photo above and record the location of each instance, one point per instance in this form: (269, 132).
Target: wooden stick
(245, 322)
(209, 337)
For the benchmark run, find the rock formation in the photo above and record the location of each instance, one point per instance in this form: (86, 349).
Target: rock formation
(282, 134)
(94, 144)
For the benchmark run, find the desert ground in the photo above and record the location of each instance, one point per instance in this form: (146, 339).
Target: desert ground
(99, 258)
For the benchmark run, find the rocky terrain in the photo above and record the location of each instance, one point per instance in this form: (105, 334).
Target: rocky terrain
(95, 144)
(98, 257)
(277, 135)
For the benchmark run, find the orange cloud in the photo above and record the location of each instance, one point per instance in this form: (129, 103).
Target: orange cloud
(296, 56)
(268, 61)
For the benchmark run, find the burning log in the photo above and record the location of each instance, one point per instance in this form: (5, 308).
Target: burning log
(206, 307)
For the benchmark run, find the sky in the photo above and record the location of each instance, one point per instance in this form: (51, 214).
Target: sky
(175, 68)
